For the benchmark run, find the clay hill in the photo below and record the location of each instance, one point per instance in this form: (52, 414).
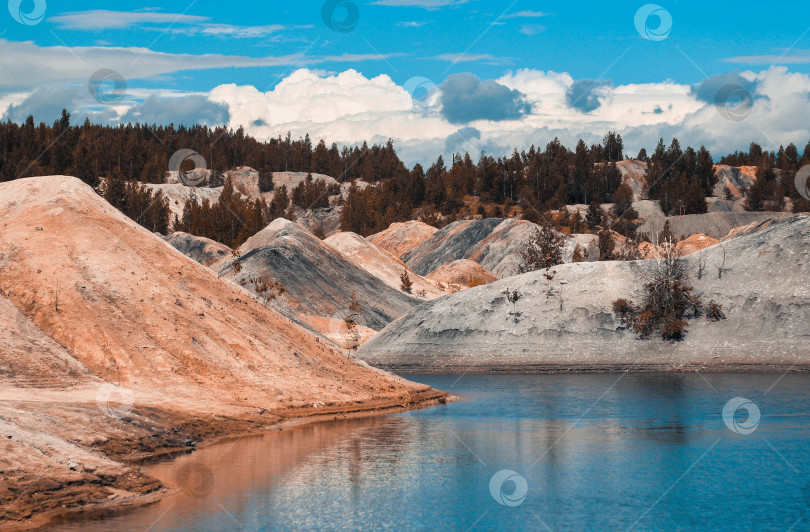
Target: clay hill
(763, 290)
(115, 345)
(494, 243)
(381, 264)
(401, 237)
(462, 273)
(203, 250)
(319, 281)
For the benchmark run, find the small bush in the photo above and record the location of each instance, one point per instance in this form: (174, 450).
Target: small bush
(625, 310)
(714, 312)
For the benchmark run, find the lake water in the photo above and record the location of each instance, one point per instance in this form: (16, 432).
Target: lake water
(539, 452)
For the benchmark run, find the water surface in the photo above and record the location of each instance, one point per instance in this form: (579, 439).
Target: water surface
(568, 452)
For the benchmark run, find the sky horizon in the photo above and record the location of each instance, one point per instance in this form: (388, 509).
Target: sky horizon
(436, 76)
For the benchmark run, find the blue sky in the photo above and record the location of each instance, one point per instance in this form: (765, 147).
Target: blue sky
(583, 38)
(186, 49)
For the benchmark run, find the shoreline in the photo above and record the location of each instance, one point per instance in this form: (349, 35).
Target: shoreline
(277, 420)
(583, 369)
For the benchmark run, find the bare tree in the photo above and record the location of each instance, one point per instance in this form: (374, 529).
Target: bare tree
(513, 297)
(721, 268)
(703, 256)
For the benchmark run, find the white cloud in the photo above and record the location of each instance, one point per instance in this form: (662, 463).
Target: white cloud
(532, 29)
(786, 59)
(349, 108)
(526, 14)
(61, 64)
(176, 23)
(426, 4)
(100, 19)
(468, 58)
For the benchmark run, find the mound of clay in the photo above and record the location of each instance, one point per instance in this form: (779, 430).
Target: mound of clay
(379, 263)
(318, 279)
(203, 250)
(134, 310)
(122, 306)
(695, 243)
(494, 243)
(452, 242)
(464, 273)
(402, 237)
(763, 291)
(713, 224)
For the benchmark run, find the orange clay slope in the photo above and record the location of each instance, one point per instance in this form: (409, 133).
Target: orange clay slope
(136, 312)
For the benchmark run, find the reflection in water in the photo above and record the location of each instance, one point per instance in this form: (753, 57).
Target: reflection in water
(597, 451)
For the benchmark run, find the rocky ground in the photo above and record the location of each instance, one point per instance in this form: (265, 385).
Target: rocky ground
(763, 289)
(115, 346)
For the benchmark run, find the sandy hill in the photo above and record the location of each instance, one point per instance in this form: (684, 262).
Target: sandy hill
(203, 250)
(714, 224)
(402, 237)
(695, 243)
(452, 242)
(380, 264)
(763, 290)
(501, 251)
(462, 273)
(122, 306)
(494, 243)
(319, 280)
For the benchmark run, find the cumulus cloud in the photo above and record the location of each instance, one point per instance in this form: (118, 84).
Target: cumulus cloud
(584, 94)
(708, 89)
(459, 140)
(187, 110)
(348, 108)
(465, 98)
(531, 107)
